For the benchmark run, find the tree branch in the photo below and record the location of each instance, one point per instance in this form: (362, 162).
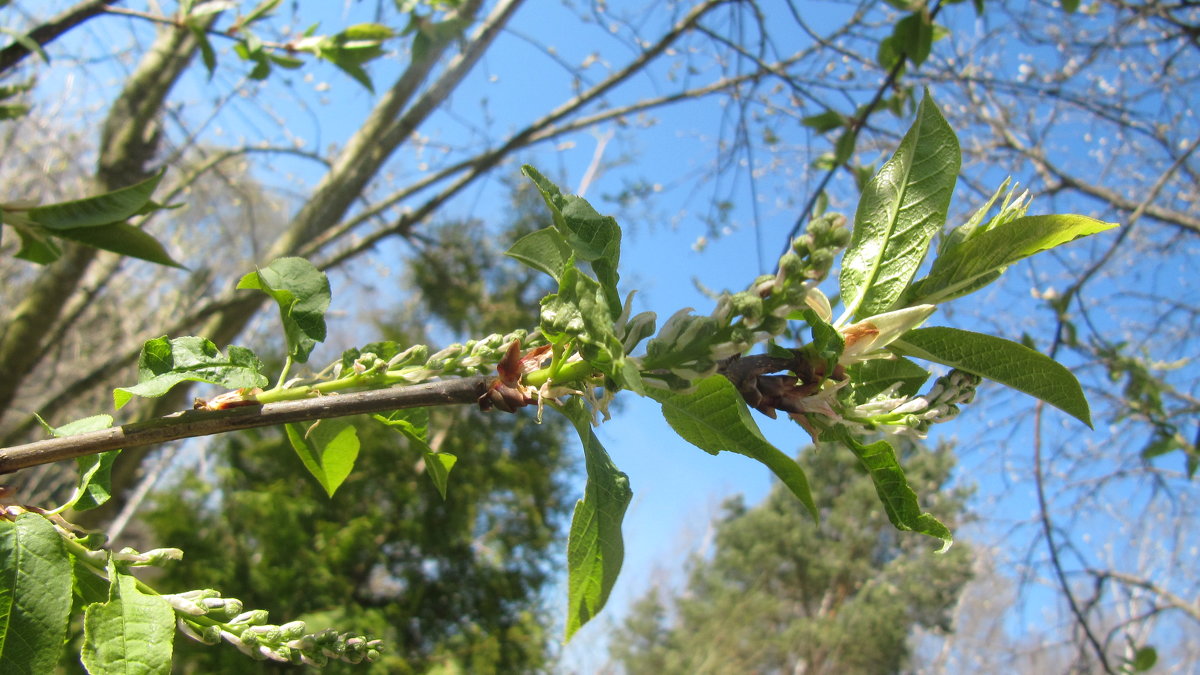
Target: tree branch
(50, 31)
(192, 423)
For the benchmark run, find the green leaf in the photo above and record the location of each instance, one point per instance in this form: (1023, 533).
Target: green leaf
(35, 594)
(899, 213)
(328, 449)
(438, 465)
(593, 237)
(824, 122)
(105, 209)
(414, 424)
(411, 422)
(983, 258)
(899, 500)
(13, 111)
(1144, 659)
(580, 312)
(165, 363)
(93, 485)
(913, 35)
(827, 343)
(1070, 6)
(36, 246)
(89, 587)
(25, 41)
(843, 149)
(207, 54)
(122, 239)
(888, 54)
(1003, 361)
(871, 378)
(130, 633)
(302, 292)
(714, 418)
(95, 480)
(595, 549)
(544, 250)
(263, 9)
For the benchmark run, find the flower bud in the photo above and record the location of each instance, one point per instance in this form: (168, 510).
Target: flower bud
(222, 609)
(255, 617)
(292, 630)
(412, 355)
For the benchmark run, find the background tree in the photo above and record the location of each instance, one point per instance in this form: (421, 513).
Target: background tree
(779, 594)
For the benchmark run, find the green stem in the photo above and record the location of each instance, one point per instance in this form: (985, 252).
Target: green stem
(283, 373)
(565, 374)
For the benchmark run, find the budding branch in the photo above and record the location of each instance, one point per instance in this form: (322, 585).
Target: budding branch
(192, 423)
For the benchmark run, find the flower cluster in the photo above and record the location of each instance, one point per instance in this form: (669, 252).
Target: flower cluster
(415, 364)
(208, 618)
(916, 414)
(691, 347)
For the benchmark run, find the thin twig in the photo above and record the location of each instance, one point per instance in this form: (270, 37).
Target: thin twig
(51, 30)
(192, 423)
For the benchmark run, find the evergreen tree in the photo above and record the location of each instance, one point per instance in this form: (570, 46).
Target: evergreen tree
(780, 595)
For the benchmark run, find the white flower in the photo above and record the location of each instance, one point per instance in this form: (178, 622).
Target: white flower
(867, 338)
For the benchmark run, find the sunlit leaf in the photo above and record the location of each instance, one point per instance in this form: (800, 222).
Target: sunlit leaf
(714, 418)
(595, 549)
(1004, 361)
(593, 238)
(165, 363)
(544, 250)
(93, 485)
(302, 293)
(901, 210)
(899, 500)
(123, 239)
(981, 259)
(35, 594)
(105, 209)
(328, 450)
(130, 633)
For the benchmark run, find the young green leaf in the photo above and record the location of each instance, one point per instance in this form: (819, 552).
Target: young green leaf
(165, 363)
(438, 465)
(327, 448)
(981, 259)
(872, 377)
(901, 210)
(544, 250)
(130, 633)
(104, 209)
(36, 245)
(824, 122)
(122, 239)
(93, 485)
(595, 549)
(302, 292)
(414, 424)
(899, 500)
(593, 237)
(35, 594)
(580, 312)
(1003, 361)
(714, 418)
(913, 35)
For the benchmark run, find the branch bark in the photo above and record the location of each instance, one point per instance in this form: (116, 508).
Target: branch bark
(53, 29)
(192, 423)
